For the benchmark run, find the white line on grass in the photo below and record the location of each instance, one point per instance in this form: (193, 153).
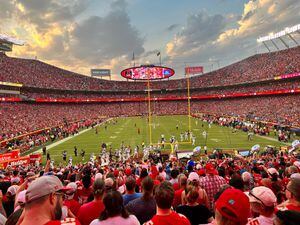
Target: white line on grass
(272, 139)
(40, 150)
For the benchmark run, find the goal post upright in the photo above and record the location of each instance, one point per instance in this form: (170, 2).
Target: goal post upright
(149, 111)
(189, 103)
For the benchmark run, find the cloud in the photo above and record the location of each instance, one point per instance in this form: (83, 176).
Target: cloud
(62, 33)
(98, 39)
(6, 9)
(54, 33)
(172, 27)
(263, 16)
(200, 29)
(42, 14)
(229, 38)
(119, 5)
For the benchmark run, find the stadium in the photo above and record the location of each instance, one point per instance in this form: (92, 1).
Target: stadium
(72, 103)
(182, 142)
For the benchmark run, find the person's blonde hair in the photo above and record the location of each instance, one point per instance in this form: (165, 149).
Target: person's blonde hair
(192, 194)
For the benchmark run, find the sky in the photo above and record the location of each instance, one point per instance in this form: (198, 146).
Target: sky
(79, 35)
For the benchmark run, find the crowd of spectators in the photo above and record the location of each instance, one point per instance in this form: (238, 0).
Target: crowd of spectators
(34, 73)
(254, 190)
(22, 118)
(283, 110)
(251, 88)
(19, 118)
(43, 137)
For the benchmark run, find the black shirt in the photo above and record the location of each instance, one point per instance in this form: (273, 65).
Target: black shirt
(198, 214)
(143, 210)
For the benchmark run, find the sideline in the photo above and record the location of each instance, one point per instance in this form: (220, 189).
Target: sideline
(273, 139)
(40, 150)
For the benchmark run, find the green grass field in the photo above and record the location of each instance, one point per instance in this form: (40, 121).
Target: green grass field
(126, 130)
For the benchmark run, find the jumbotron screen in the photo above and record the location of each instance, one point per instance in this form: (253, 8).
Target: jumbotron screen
(147, 72)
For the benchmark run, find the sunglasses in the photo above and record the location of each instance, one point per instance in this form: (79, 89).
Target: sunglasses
(59, 193)
(252, 195)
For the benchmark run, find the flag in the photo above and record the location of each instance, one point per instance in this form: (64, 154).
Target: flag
(158, 54)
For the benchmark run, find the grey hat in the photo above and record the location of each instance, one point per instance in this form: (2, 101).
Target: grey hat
(43, 186)
(294, 186)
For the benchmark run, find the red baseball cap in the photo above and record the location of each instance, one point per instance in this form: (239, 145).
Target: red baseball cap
(201, 172)
(116, 172)
(210, 168)
(128, 172)
(234, 205)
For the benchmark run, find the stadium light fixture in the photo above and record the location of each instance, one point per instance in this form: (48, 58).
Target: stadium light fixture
(286, 31)
(8, 39)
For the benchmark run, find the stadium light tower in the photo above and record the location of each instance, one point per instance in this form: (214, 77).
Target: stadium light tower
(7, 42)
(287, 32)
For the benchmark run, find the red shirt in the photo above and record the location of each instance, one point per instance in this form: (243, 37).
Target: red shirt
(177, 198)
(83, 194)
(90, 211)
(67, 221)
(172, 219)
(73, 205)
(176, 186)
(293, 207)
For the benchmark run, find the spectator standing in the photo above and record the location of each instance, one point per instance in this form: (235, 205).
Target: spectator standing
(196, 213)
(164, 195)
(293, 194)
(263, 202)
(211, 183)
(193, 180)
(182, 184)
(130, 190)
(91, 210)
(287, 217)
(232, 208)
(9, 203)
(115, 212)
(144, 207)
(69, 201)
(44, 203)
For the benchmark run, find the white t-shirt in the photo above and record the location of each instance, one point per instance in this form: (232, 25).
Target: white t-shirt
(261, 220)
(2, 219)
(117, 220)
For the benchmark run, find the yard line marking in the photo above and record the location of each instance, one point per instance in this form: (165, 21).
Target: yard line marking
(215, 139)
(40, 150)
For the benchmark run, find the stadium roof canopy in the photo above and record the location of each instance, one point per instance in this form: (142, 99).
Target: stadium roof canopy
(7, 39)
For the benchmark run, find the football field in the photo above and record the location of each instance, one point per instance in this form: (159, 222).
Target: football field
(134, 131)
